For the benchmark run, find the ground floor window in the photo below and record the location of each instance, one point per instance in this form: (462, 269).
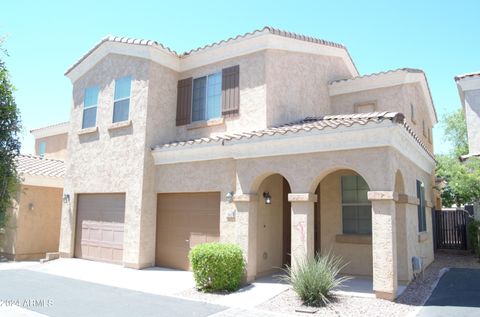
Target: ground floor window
(356, 208)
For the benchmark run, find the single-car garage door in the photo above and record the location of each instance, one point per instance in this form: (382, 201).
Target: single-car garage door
(183, 221)
(99, 233)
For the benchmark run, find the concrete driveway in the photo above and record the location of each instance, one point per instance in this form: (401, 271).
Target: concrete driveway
(457, 294)
(60, 296)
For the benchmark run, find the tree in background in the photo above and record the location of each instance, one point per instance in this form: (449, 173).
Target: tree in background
(10, 128)
(462, 179)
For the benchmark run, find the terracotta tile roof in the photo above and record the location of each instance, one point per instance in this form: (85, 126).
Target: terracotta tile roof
(266, 29)
(308, 124)
(37, 165)
(407, 70)
(468, 75)
(271, 30)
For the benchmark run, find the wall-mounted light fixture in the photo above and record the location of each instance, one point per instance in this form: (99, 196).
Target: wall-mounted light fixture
(229, 197)
(66, 198)
(267, 197)
(31, 206)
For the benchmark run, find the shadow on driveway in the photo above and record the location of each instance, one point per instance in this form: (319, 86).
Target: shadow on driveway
(457, 294)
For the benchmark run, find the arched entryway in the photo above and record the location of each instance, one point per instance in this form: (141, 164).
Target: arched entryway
(343, 220)
(273, 225)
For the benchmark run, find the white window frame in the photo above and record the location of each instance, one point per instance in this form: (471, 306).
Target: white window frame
(89, 107)
(122, 99)
(206, 97)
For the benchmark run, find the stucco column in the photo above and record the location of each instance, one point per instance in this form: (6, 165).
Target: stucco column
(303, 225)
(66, 246)
(384, 243)
(246, 237)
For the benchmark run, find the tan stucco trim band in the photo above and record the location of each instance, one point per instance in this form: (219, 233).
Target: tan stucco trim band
(407, 199)
(423, 236)
(302, 197)
(245, 197)
(428, 204)
(382, 195)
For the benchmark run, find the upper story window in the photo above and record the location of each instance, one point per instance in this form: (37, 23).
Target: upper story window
(42, 148)
(90, 100)
(356, 208)
(412, 113)
(207, 97)
(424, 129)
(429, 131)
(422, 222)
(121, 103)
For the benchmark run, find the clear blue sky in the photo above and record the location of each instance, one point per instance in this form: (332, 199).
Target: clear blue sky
(46, 37)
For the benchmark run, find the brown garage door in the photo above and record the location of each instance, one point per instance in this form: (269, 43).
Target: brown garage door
(183, 221)
(99, 234)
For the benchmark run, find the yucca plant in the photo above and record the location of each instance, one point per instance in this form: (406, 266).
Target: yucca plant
(314, 278)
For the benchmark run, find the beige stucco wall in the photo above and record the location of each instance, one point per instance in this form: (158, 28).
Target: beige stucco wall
(111, 160)
(270, 225)
(396, 99)
(56, 146)
(33, 232)
(297, 84)
(357, 257)
(252, 97)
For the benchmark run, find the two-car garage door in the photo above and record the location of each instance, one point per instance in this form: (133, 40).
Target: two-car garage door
(100, 222)
(183, 221)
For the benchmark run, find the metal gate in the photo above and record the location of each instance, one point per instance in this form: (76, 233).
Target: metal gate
(450, 228)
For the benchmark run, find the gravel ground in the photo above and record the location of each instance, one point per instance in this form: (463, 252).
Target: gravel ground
(415, 295)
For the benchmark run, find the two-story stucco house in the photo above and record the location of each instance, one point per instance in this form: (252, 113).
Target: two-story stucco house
(271, 140)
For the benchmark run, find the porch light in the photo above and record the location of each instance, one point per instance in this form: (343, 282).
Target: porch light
(66, 198)
(229, 197)
(267, 197)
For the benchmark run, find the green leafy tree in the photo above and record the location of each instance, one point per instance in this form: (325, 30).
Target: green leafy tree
(462, 179)
(10, 129)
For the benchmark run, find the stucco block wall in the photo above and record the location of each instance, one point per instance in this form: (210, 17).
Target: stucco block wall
(110, 160)
(253, 101)
(472, 116)
(357, 256)
(56, 146)
(34, 232)
(396, 99)
(297, 85)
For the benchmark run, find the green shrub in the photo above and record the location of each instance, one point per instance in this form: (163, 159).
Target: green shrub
(314, 278)
(473, 235)
(217, 266)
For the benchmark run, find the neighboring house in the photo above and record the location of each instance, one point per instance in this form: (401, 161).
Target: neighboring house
(33, 228)
(469, 89)
(51, 141)
(270, 140)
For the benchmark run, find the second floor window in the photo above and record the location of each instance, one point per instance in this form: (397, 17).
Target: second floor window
(356, 208)
(207, 97)
(121, 103)
(90, 100)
